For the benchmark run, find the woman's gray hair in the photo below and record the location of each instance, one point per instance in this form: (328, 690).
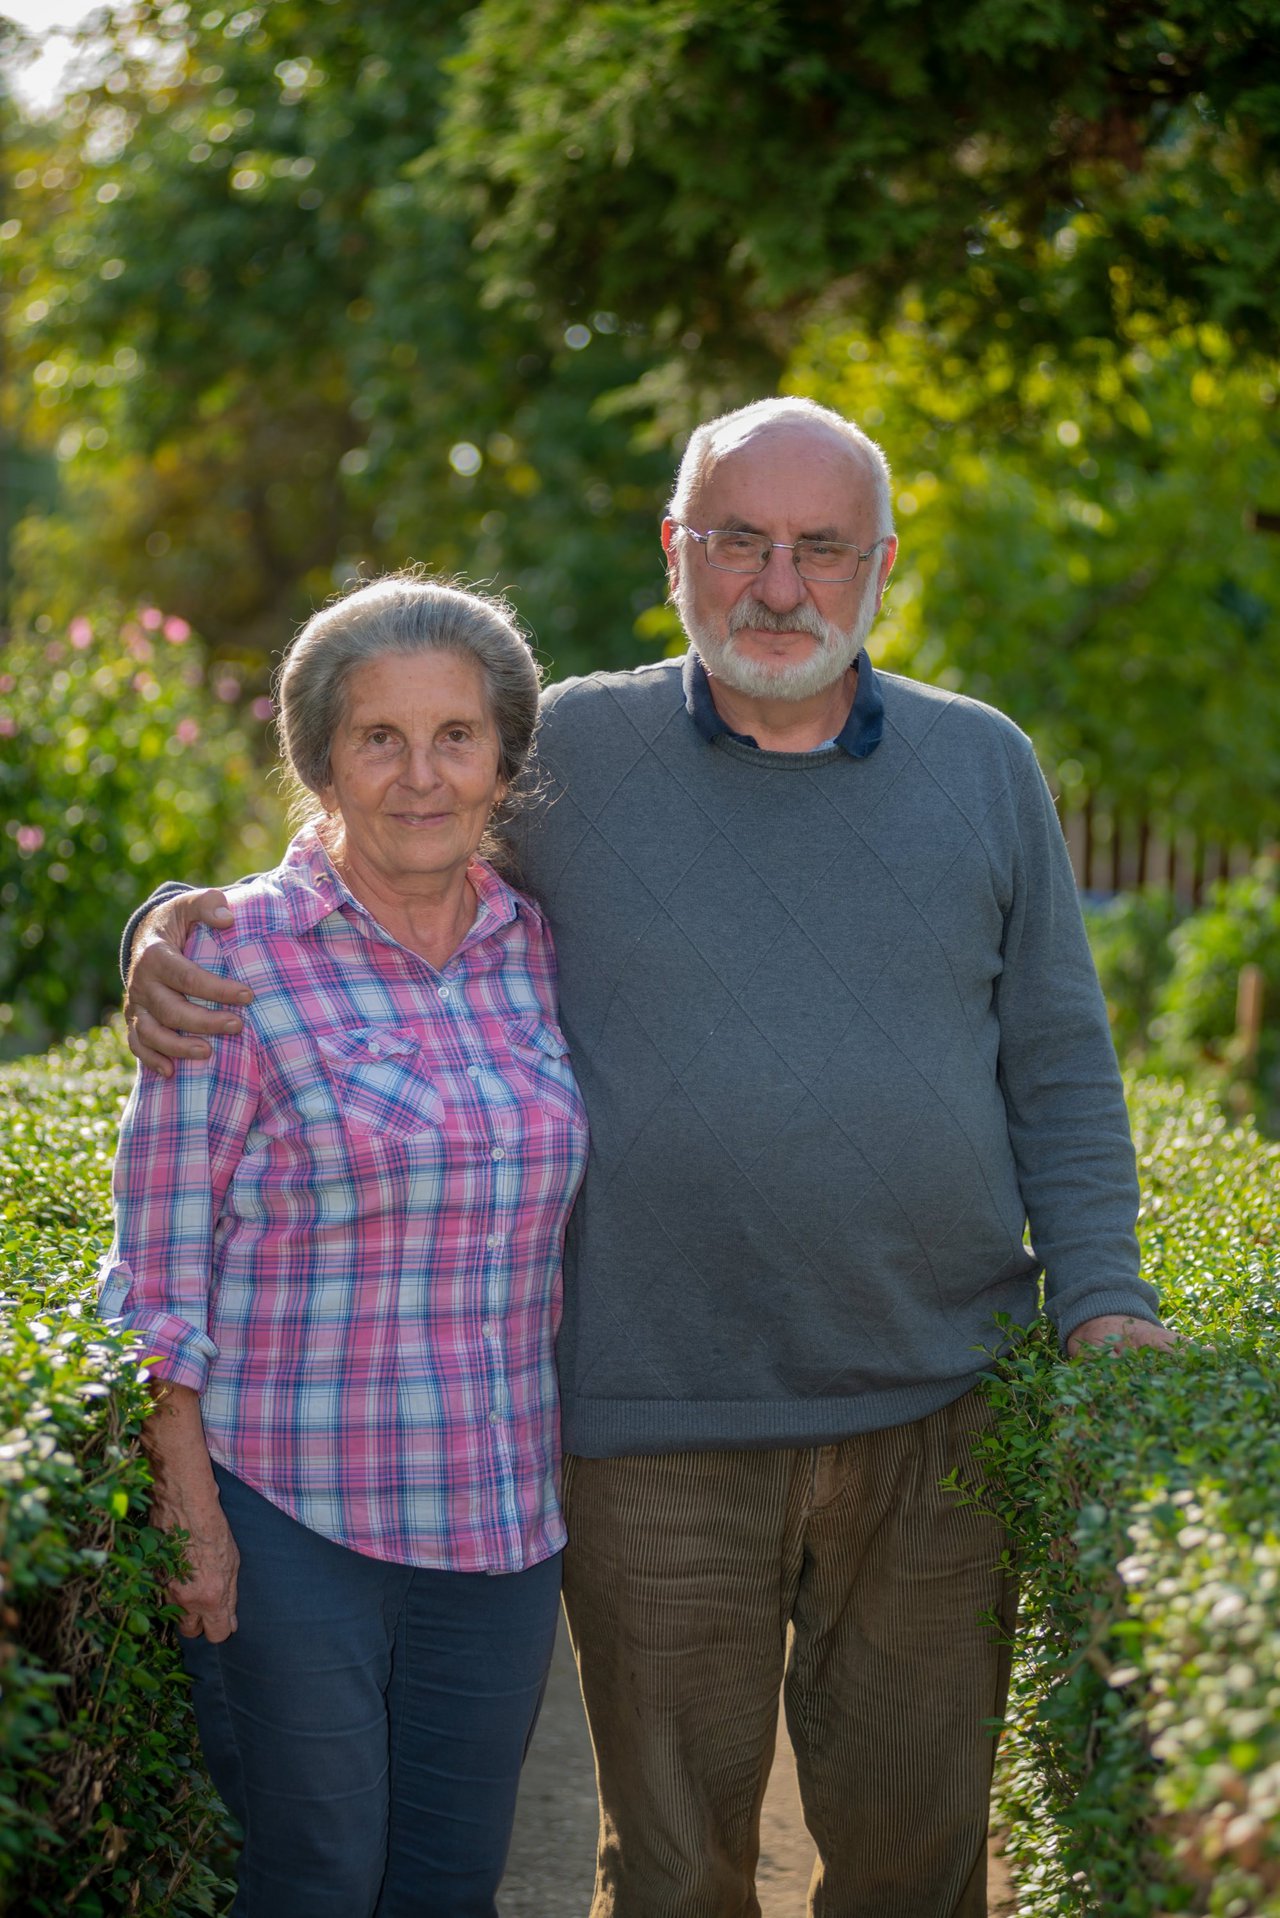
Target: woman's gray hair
(406, 613)
(714, 438)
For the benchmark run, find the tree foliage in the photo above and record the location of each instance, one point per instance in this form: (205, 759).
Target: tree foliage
(301, 289)
(725, 165)
(1076, 549)
(261, 359)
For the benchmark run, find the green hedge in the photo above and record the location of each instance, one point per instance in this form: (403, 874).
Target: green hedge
(1140, 1771)
(1141, 1768)
(104, 1806)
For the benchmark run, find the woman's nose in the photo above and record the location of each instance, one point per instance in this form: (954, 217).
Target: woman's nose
(420, 769)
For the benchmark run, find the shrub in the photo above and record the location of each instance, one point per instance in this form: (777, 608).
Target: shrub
(121, 766)
(104, 1806)
(1129, 936)
(1141, 1761)
(1196, 1011)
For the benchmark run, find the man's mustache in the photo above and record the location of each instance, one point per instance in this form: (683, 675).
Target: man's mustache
(801, 619)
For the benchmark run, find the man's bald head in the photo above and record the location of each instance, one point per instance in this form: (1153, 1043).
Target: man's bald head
(734, 432)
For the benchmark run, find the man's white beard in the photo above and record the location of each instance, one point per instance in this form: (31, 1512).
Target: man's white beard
(830, 659)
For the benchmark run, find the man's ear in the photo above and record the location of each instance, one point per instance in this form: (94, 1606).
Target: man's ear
(672, 551)
(888, 553)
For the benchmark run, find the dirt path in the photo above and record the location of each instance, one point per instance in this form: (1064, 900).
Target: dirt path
(551, 1867)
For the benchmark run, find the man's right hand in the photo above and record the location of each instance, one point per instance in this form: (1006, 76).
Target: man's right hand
(157, 1002)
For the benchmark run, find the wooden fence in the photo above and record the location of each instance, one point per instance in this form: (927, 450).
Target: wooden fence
(1114, 852)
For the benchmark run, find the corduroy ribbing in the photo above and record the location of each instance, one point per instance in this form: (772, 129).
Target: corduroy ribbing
(682, 1575)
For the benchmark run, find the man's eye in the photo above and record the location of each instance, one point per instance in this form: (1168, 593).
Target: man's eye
(738, 543)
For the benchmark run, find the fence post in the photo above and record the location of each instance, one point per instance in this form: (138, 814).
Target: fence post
(1250, 993)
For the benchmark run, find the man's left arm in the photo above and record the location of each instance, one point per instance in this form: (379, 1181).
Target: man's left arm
(1068, 1124)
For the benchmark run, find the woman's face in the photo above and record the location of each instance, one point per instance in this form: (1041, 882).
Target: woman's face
(413, 766)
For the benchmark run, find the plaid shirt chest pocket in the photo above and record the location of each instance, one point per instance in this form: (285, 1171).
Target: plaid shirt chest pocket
(378, 1076)
(540, 1053)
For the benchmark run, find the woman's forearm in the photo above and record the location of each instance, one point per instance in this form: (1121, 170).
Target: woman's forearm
(173, 1439)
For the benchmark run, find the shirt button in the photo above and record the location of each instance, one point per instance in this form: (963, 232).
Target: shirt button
(497, 1153)
(375, 1048)
(495, 1239)
(495, 1418)
(473, 1072)
(486, 1331)
(442, 992)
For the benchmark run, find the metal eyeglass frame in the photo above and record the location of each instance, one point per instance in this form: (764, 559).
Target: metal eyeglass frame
(788, 545)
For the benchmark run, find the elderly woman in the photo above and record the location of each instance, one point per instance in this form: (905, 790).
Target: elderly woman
(339, 1242)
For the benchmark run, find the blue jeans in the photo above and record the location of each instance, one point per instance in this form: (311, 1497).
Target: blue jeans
(367, 1722)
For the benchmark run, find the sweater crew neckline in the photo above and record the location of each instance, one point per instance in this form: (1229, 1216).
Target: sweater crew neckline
(735, 748)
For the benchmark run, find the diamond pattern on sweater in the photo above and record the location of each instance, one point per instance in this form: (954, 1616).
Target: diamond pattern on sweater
(779, 981)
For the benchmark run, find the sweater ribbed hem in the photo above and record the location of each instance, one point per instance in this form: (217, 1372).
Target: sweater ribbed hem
(618, 1428)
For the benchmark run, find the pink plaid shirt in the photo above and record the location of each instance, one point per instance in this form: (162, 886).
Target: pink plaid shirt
(345, 1230)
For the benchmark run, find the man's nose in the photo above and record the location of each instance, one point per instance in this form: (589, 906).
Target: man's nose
(779, 586)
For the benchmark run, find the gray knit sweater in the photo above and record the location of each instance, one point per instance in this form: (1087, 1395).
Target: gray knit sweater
(840, 1038)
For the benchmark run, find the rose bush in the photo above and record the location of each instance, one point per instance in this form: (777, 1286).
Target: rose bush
(124, 759)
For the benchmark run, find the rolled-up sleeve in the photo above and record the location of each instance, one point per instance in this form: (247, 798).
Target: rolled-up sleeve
(181, 1139)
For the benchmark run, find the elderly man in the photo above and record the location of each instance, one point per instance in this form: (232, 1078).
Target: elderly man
(833, 1014)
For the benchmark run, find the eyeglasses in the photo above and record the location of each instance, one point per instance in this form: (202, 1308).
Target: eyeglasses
(830, 559)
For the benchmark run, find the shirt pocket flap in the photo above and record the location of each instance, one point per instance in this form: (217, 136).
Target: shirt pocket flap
(539, 1035)
(358, 1044)
(381, 1081)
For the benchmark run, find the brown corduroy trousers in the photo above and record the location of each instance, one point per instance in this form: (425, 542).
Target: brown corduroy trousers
(697, 1583)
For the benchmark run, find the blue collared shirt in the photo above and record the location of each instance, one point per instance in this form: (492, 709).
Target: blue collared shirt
(859, 736)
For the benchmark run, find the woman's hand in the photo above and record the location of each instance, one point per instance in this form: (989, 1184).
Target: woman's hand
(186, 1499)
(207, 1595)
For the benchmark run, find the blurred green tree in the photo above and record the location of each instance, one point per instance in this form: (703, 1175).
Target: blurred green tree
(1075, 550)
(716, 168)
(302, 289)
(263, 363)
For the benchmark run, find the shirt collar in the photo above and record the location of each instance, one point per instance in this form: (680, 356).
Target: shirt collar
(858, 737)
(309, 890)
